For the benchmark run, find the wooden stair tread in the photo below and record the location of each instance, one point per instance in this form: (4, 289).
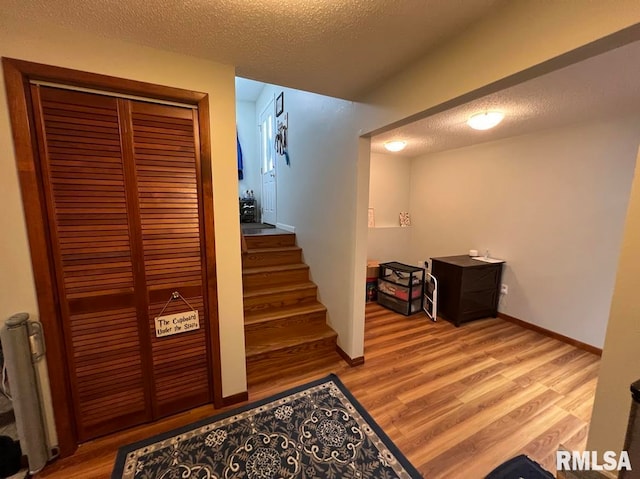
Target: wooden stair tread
(271, 240)
(253, 317)
(275, 249)
(271, 256)
(284, 322)
(251, 233)
(292, 338)
(278, 289)
(271, 269)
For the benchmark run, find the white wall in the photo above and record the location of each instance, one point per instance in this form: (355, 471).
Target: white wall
(519, 36)
(316, 195)
(249, 140)
(620, 366)
(46, 44)
(389, 185)
(552, 204)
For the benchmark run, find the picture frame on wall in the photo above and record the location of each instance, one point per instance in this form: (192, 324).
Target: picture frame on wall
(279, 104)
(405, 219)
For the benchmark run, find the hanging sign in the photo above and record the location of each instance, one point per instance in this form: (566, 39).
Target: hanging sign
(177, 323)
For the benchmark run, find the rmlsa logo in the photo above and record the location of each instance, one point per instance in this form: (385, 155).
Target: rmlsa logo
(588, 461)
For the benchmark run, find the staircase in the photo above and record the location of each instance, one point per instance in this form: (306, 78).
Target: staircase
(284, 322)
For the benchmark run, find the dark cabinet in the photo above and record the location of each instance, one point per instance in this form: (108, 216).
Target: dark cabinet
(468, 289)
(400, 287)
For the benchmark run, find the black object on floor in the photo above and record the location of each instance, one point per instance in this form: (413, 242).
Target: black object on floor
(519, 467)
(10, 456)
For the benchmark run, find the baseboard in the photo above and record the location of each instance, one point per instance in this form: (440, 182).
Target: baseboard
(350, 361)
(235, 399)
(552, 334)
(282, 226)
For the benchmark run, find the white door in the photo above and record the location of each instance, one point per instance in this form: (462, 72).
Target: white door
(268, 164)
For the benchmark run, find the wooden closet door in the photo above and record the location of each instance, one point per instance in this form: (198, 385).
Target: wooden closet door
(121, 185)
(167, 165)
(85, 184)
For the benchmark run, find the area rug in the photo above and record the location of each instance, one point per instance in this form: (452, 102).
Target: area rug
(317, 430)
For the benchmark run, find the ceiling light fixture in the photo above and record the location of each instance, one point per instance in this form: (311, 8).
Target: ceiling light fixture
(485, 120)
(395, 145)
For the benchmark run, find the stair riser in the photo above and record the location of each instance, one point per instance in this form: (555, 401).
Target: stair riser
(270, 241)
(274, 278)
(271, 258)
(275, 327)
(271, 364)
(280, 300)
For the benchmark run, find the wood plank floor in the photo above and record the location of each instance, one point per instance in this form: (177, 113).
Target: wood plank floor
(456, 401)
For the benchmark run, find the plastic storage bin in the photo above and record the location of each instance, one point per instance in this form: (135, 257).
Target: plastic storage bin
(401, 287)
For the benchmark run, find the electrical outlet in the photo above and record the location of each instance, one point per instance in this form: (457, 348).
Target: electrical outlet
(504, 289)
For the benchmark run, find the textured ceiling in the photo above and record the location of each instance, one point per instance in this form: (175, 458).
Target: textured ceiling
(339, 48)
(597, 88)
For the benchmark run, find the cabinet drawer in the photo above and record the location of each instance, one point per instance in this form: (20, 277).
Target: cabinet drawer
(399, 306)
(479, 279)
(478, 304)
(401, 292)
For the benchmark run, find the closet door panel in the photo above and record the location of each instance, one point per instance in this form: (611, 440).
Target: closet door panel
(84, 185)
(180, 361)
(167, 165)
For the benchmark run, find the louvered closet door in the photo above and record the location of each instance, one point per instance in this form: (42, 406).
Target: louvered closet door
(85, 186)
(120, 180)
(167, 164)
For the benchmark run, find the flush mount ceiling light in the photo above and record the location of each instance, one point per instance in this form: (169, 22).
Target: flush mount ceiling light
(485, 120)
(395, 145)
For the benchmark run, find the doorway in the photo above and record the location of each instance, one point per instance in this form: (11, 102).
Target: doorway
(268, 168)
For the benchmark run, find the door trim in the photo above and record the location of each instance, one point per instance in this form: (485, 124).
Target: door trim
(17, 75)
(272, 151)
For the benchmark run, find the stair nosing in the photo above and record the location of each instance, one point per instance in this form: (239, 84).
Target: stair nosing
(269, 231)
(274, 268)
(275, 249)
(274, 235)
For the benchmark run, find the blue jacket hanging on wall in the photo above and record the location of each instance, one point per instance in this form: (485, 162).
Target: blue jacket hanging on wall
(240, 166)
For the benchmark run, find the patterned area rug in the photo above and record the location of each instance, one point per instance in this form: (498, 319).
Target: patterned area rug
(317, 430)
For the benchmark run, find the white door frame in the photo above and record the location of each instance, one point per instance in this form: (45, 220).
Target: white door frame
(268, 164)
